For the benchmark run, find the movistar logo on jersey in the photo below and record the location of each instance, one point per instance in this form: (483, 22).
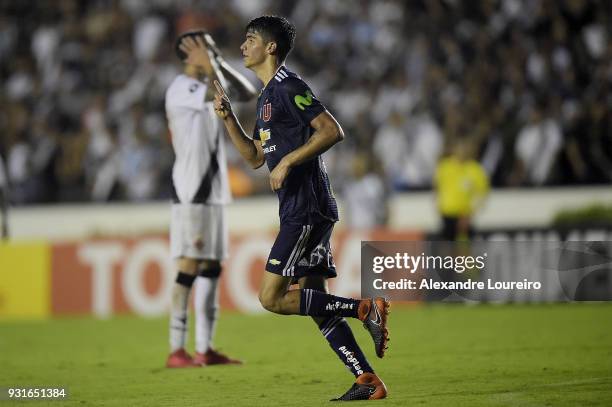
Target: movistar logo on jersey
(264, 135)
(302, 101)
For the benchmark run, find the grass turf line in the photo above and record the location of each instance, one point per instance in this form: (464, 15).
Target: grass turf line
(440, 355)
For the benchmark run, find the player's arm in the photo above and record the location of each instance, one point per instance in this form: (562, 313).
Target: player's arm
(249, 149)
(198, 54)
(327, 133)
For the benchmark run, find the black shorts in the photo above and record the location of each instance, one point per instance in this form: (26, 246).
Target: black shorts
(302, 250)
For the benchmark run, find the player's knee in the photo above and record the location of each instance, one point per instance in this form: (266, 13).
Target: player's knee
(265, 301)
(210, 269)
(188, 266)
(268, 302)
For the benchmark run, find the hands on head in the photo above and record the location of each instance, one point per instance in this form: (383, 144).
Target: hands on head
(197, 51)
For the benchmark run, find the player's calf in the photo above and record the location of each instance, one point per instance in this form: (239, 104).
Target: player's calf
(372, 312)
(340, 338)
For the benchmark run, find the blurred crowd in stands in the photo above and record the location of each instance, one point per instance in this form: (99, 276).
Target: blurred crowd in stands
(526, 83)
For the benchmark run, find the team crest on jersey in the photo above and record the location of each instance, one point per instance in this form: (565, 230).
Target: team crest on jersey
(264, 135)
(266, 111)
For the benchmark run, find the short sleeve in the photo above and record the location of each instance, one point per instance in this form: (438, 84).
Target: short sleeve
(300, 100)
(187, 94)
(481, 179)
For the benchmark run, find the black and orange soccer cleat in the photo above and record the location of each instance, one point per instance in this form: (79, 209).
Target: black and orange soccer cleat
(368, 386)
(373, 313)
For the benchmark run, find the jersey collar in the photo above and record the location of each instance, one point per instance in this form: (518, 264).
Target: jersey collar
(270, 81)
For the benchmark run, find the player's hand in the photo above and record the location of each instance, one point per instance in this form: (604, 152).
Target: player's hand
(279, 174)
(197, 52)
(223, 107)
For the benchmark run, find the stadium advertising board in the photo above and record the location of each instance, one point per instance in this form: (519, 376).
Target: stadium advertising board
(108, 276)
(25, 280)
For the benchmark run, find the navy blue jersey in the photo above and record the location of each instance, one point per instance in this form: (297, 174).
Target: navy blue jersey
(285, 108)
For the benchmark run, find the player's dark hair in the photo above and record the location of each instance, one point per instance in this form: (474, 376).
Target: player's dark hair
(277, 29)
(193, 34)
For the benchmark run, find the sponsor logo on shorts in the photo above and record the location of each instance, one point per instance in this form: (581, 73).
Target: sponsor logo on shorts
(274, 262)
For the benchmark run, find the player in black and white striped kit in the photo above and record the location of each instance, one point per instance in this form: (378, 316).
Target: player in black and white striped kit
(198, 229)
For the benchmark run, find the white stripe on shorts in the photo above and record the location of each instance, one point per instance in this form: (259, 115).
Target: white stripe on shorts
(300, 251)
(297, 251)
(308, 300)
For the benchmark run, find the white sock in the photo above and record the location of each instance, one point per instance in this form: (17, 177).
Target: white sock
(206, 306)
(178, 316)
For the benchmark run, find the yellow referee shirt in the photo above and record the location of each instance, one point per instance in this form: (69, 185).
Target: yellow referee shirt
(460, 186)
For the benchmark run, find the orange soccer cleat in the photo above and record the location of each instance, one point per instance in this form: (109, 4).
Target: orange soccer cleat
(212, 357)
(368, 386)
(373, 313)
(179, 358)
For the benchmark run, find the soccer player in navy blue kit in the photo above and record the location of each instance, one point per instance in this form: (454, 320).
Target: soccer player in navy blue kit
(293, 129)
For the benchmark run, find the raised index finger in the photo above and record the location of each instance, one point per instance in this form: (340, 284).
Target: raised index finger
(219, 88)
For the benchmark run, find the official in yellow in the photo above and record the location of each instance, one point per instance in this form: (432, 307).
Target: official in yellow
(462, 186)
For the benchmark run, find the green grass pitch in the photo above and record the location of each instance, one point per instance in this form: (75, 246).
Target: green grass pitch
(441, 355)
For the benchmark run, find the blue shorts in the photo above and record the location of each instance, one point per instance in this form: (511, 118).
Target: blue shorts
(302, 250)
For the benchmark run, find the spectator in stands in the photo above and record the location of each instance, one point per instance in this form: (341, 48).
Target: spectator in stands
(537, 147)
(490, 61)
(365, 195)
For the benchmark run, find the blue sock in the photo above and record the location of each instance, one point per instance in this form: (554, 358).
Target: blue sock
(320, 304)
(340, 337)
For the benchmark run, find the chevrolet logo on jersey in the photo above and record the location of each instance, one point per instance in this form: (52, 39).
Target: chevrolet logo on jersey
(274, 262)
(264, 135)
